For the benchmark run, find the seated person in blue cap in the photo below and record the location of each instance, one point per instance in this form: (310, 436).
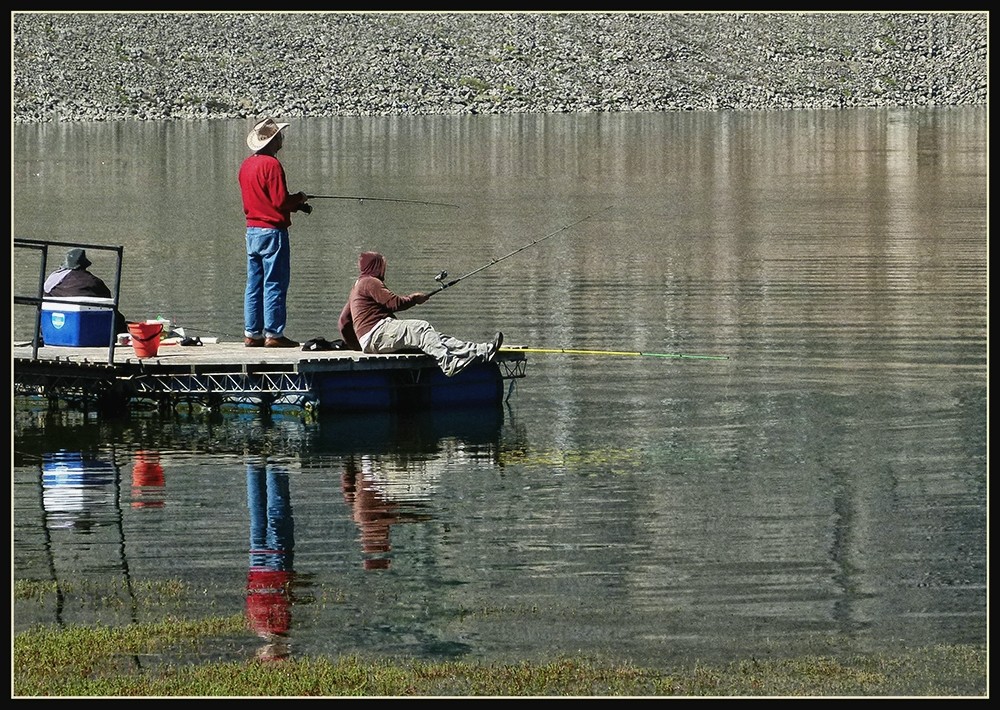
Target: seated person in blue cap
(73, 279)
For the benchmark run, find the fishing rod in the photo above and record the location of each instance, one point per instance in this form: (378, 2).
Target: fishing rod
(377, 199)
(570, 351)
(444, 274)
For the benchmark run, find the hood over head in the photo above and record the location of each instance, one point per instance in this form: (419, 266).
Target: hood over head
(371, 263)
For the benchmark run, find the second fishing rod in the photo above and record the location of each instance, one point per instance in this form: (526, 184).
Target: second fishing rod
(440, 278)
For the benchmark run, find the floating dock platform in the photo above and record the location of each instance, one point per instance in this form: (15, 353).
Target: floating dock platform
(113, 379)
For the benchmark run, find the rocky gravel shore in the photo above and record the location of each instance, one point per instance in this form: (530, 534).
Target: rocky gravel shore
(160, 66)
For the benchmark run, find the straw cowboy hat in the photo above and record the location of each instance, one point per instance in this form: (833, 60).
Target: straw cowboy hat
(263, 133)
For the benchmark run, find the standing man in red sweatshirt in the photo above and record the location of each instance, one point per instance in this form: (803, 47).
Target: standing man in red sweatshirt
(268, 207)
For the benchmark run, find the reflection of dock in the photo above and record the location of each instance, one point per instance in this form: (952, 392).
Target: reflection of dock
(213, 374)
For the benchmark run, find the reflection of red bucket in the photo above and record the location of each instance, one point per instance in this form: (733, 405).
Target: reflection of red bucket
(145, 338)
(148, 482)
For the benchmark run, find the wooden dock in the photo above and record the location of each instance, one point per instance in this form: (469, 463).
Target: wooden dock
(208, 376)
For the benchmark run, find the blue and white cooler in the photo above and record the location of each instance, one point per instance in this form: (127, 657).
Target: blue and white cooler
(81, 321)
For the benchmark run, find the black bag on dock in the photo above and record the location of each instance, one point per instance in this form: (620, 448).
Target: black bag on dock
(324, 344)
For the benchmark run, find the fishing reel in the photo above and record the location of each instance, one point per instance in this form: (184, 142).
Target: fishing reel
(441, 276)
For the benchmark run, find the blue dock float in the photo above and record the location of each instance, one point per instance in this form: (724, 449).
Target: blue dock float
(212, 375)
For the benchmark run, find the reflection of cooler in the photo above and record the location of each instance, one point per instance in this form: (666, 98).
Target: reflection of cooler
(74, 489)
(81, 323)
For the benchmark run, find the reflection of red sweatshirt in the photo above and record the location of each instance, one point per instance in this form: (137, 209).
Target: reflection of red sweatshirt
(268, 605)
(266, 201)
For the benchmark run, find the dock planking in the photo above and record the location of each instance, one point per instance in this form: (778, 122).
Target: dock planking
(236, 355)
(215, 372)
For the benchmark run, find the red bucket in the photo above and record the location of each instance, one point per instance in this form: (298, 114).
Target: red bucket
(145, 338)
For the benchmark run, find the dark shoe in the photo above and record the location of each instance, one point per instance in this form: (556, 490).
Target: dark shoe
(253, 342)
(494, 347)
(280, 342)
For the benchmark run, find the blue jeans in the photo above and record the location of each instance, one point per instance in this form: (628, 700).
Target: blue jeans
(269, 270)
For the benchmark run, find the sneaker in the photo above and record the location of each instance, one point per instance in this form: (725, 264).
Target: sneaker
(491, 354)
(253, 342)
(280, 342)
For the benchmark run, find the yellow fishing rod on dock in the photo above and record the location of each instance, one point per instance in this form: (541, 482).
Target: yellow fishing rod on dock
(624, 353)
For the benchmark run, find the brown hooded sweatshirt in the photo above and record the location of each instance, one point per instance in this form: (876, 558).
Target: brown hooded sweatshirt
(369, 301)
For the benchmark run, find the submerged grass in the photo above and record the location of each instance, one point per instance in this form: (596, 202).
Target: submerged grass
(96, 661)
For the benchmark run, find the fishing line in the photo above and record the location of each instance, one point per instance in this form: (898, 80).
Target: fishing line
(441, 276)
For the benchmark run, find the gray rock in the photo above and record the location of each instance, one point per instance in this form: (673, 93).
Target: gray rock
(220, 65)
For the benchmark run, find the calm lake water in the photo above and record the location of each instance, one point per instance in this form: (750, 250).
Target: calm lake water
(823, 489)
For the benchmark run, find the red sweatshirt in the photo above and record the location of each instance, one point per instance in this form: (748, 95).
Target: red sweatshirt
(266, 201)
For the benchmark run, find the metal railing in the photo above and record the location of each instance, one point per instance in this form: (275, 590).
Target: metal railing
(43, 246)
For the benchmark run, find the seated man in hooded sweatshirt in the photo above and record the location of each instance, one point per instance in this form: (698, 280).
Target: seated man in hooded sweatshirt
(368, 323)
(73, 279)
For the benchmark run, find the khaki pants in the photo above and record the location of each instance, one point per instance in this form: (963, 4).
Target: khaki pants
(452, 355)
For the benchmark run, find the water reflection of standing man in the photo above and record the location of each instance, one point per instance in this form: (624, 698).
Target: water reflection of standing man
(272, 543)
